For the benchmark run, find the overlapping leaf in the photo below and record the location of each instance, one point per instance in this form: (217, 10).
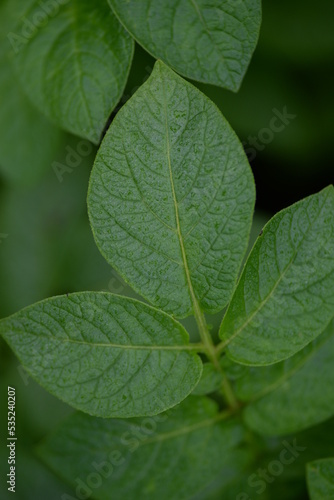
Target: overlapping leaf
(107, 355)
(211, 380)
(171, 197)
(73, 59)
(285, 296)
(171, 456)
(320, 479)
(294, 394)
(209, 41)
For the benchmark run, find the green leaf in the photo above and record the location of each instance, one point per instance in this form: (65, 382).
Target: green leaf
(107, 355)
(320, 479)
(210, 381)
(73, 59)
(285, 296)
(171, 197)
(211, 42)
(171, 456)
(294, 394)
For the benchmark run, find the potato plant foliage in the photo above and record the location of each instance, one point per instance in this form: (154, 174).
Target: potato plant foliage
(163, 413)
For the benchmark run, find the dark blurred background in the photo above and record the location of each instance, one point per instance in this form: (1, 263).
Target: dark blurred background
(284, 116)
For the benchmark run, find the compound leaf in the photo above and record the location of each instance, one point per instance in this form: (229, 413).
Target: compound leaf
(171, 456)
(320, 479)
(285, 296)
(209, 41)
(73, 59)
(171, 197)
(291, 395)
(107, 355)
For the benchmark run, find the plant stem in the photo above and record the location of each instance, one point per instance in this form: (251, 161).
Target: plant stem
(199, 316)
(221, 346)
(228, 393)
(212, 355)
(205, 335)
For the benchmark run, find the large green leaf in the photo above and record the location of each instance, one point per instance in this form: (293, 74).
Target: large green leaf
(73, 59)
(171, 197)
(294, 394)
(107, 355)
(209, 41)
(320, 479)
(168, 457)
(285, 296)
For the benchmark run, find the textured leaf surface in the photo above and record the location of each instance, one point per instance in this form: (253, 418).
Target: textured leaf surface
(285, 296)
(103, 354)
(171, 197)
(294, 394)
(211, 41)
(320, 479)
(74, 65)
(170, 457)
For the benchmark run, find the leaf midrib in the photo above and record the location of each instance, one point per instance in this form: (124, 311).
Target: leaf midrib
(197, 311)
(176, 208)
(188, 347)
(164, 436)
(188, 429)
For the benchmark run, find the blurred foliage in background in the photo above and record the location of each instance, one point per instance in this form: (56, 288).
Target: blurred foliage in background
(46, 246)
